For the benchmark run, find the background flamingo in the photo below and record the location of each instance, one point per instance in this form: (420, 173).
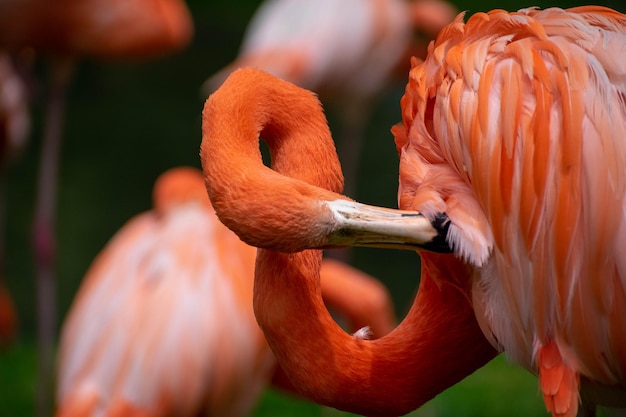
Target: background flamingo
(436, 345)
(348, 51)
(542, 262)
(67, 30)
(163, 324)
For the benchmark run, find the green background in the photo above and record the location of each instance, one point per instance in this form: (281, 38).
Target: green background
(128, 122)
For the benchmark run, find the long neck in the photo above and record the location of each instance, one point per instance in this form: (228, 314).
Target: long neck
(436, 345)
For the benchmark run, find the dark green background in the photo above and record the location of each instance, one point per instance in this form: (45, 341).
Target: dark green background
(128, 122)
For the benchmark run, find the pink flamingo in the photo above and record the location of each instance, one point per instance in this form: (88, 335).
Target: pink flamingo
(348, 51)
(513, 128)
(163, 324)
(66, 30)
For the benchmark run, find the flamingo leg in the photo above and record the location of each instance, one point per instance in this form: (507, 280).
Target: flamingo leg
(14, 130)
(44, 234)
(3, 211)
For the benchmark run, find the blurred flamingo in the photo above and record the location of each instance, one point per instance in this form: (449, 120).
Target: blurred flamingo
(66, 30)
(14, 129)
(163, 323)
(348, 51)
(436, 345)
(530, 171)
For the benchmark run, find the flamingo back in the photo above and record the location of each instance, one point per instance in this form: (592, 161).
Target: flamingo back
(163, 324)
(315, 45)
(514, 126)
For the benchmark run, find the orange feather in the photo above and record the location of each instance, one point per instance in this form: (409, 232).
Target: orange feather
(548, 189)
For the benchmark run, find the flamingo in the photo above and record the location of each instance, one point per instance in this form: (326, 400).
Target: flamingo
(163, 323)
(531, 173)
(67, 30)
(348, 51)
(513, 127)
(296, 205)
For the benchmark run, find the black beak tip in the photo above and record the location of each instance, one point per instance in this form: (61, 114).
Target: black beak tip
(439, 243)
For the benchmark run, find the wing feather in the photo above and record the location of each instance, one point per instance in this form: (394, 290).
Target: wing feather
(149, 313)
(538, 140)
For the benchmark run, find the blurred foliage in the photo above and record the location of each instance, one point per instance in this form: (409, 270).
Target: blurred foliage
(128, 122)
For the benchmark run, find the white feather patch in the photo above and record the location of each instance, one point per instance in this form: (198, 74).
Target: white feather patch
(364, 333)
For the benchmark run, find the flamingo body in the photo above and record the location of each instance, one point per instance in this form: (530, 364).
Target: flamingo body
(514, 126)
(349, 52)
(101, 29)
(314, 45)
(157, 327)
(163, 324)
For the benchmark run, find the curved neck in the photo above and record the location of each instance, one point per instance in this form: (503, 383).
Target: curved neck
(436, 345)
(252, 104)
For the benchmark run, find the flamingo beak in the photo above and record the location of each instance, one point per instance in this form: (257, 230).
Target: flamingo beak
(360, 224)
